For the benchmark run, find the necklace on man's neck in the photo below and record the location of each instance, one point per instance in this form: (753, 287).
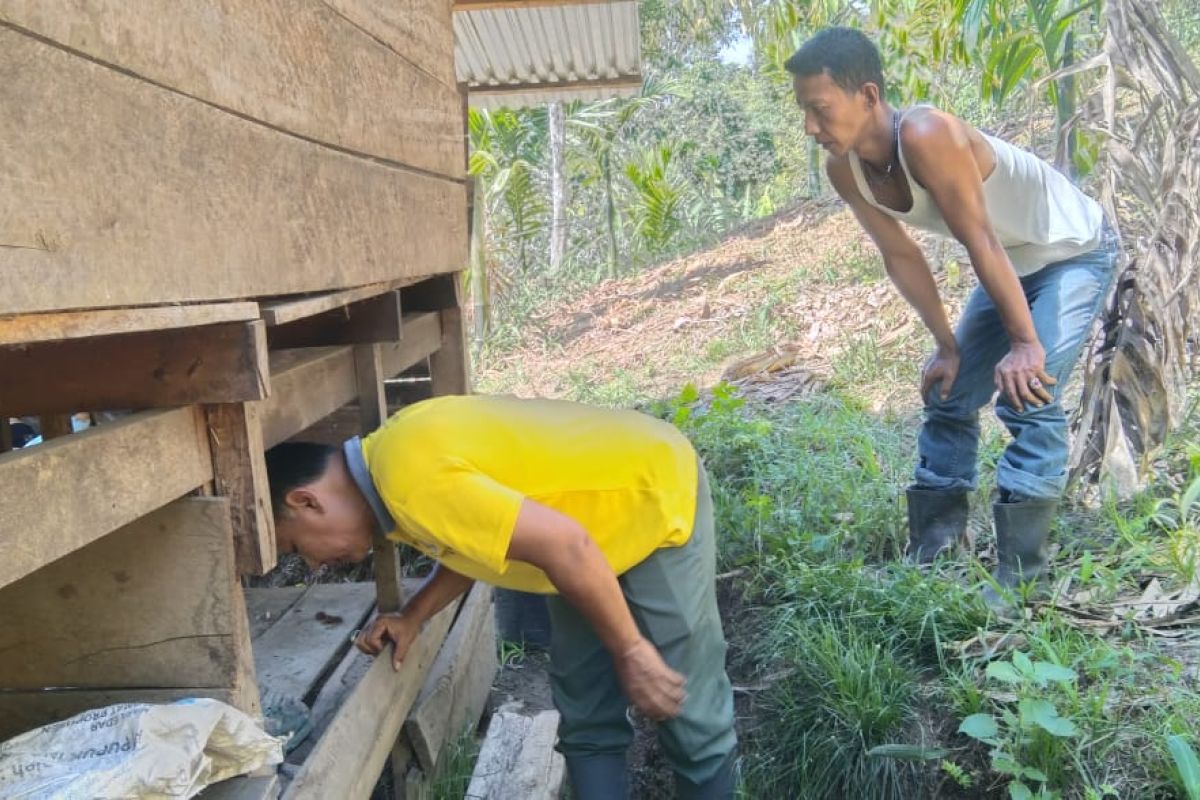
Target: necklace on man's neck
(876, 175)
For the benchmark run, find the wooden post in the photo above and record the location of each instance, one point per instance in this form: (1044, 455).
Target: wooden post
(240, 472)
(449, 371)
(372, 405)
(55, 425)
(6, 439)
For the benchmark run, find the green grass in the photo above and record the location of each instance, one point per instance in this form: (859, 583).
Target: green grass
(868, 666)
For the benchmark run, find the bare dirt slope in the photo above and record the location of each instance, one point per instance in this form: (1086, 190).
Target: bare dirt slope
(786, 297)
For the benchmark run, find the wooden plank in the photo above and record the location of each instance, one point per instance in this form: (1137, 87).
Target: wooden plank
(433, 293)
(518, 759)
(372, 410)
(262, 787)
(375, 319)
(61, 495)
(240, 474)
(420, 30)
(22, 711)
(265, 607)
(305, 387)
(311, 637)
(459, 682)
(29, 328)
(54, 426)
(309, 385)
(154, 604)
(449, 370)
(348, 759)
(114, 192)
(297, 65)
(210, 364)
(422, 337)
(285, 310)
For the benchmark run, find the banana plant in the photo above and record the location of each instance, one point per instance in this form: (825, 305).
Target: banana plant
(1018, 44)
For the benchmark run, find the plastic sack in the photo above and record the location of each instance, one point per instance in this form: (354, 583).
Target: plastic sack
(135, 750)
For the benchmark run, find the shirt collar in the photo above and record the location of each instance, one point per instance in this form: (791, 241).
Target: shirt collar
(357, 464)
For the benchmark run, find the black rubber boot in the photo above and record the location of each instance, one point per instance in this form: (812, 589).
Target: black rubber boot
(720, 786)
(600, 776)
(1021, 533)
(937, 521)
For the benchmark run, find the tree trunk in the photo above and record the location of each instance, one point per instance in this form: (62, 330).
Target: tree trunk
(558, 187)
(481, 304)
(612, 216)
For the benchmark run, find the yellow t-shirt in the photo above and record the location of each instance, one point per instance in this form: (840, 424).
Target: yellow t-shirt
(453, 472)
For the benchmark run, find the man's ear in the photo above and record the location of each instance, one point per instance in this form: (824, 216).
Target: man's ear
(870, 92)
(301, 499)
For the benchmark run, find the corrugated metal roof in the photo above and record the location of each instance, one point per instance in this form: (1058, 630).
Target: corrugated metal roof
(529, 56)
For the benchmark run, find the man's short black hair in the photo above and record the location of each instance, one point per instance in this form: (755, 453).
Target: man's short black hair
(846, 54)
(291, 465)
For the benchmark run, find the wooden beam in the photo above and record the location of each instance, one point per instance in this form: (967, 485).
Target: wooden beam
(155, 604)
(433, 294)
(422, 337)
(449, 370)
(457, 688)
(210, 364)
(348, 759)
(21, 711)
(289, 309)
(62, 495)
(50, 327)
(372, 410)
(375, 319)
(240, 474)
(300, 66)
(153, 196)
(308, 385)
(619, 82)
(53, 426)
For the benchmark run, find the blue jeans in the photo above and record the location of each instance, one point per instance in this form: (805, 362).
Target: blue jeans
(1064, 299)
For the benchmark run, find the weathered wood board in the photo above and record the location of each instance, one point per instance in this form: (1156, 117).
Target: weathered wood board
(308, 639)
(240, 473)
(459, 682)
(54, 326)
(518, 759)
(21, 711)
(62, 495)
(350, 756)
(222, 363)
(297, 65)
(421, 30)
(117, 192)
(309, 384)
(154, 604)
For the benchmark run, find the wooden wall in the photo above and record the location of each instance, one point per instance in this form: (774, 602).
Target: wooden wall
(193, 150)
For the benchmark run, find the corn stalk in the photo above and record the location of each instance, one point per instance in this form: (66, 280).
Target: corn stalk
(1144, 359)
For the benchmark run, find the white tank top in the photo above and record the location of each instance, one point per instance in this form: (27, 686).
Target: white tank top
(1039, 216)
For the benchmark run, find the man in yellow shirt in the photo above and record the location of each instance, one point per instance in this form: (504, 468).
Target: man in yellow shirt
(607, 512)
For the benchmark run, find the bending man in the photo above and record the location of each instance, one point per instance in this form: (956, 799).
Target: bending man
(608, 512)
(1044, 256)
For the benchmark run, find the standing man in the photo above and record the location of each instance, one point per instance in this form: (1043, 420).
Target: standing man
(1044, 256)
(608, 512)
